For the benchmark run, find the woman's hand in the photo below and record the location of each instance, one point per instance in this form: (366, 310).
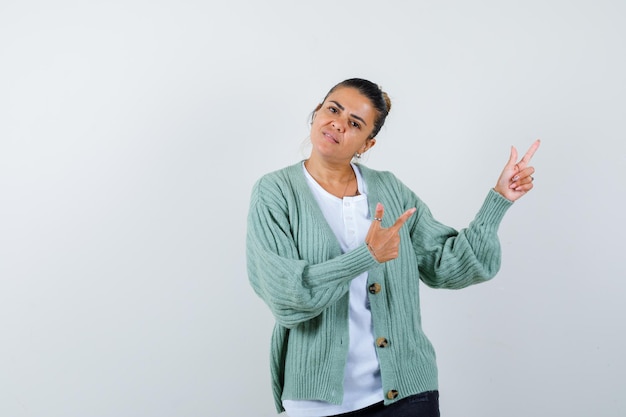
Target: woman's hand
(384, 243)
(516, 178)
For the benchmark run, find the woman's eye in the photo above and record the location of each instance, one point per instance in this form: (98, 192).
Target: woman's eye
(355, 124)
(332, 109)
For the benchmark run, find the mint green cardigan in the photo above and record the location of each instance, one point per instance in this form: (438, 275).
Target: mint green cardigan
(296, 266)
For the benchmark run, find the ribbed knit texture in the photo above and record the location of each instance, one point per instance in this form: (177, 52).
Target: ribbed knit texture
(296, 266)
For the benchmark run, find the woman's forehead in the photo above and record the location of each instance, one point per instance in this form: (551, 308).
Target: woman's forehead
(351, 99)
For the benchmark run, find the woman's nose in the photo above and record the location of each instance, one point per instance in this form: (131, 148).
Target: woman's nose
(338, 124)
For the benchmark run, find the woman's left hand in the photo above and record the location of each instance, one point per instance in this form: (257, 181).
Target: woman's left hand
(516, 178)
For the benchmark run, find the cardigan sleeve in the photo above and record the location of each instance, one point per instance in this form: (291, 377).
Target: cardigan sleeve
(294, 289)
(456, 259)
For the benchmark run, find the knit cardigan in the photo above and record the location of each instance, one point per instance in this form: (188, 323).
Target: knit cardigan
(296, 265)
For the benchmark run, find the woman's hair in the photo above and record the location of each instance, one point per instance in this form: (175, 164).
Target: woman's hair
(380, 100)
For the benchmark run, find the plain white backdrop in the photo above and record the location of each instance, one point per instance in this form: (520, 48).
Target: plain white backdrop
(131, 133)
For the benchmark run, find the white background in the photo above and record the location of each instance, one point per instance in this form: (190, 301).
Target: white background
(131, 133)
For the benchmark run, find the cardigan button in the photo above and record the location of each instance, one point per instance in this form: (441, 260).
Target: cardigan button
(381, 342)
(391, 394)
(374, 288)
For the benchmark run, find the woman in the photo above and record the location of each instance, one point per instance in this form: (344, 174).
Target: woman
(337, 251)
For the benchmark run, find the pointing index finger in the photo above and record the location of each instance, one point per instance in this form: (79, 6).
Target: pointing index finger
(531, 151)
(403, 218)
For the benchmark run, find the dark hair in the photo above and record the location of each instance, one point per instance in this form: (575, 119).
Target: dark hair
(380, 100)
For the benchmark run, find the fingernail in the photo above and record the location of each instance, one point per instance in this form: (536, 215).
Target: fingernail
(379, 206)
(515, 178)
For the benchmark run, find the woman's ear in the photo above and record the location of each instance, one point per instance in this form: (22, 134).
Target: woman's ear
(319, 106)
(369, 144)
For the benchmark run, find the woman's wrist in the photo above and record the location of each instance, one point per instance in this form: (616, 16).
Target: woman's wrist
(372, 251)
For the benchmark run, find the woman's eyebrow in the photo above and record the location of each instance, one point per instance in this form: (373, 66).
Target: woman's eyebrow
(351, 114)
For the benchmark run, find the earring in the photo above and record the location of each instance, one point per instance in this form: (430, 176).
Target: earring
(357, 155)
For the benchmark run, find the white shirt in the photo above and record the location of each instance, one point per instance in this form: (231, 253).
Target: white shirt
(349, 219)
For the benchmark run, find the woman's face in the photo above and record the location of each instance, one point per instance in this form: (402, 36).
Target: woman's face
(342, 125)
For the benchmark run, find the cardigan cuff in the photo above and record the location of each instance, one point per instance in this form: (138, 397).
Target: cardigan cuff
(493, 209)
(342, 268)
(363, 258)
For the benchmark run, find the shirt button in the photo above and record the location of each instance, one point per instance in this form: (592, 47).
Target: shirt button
(391, 394)
(381, 342)
(374, 288)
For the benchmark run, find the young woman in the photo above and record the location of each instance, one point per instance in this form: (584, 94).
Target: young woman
(337, 251)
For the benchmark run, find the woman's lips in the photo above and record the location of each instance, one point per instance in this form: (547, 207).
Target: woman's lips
(330, 137)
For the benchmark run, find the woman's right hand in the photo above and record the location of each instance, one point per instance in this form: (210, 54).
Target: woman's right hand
(384, 243)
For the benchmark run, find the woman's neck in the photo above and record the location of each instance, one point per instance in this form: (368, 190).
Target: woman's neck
(337, 179)
(329, 172)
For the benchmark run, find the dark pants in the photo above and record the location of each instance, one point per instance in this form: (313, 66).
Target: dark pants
(425, 404)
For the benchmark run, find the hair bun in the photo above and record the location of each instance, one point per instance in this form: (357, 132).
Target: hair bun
(387, 100)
